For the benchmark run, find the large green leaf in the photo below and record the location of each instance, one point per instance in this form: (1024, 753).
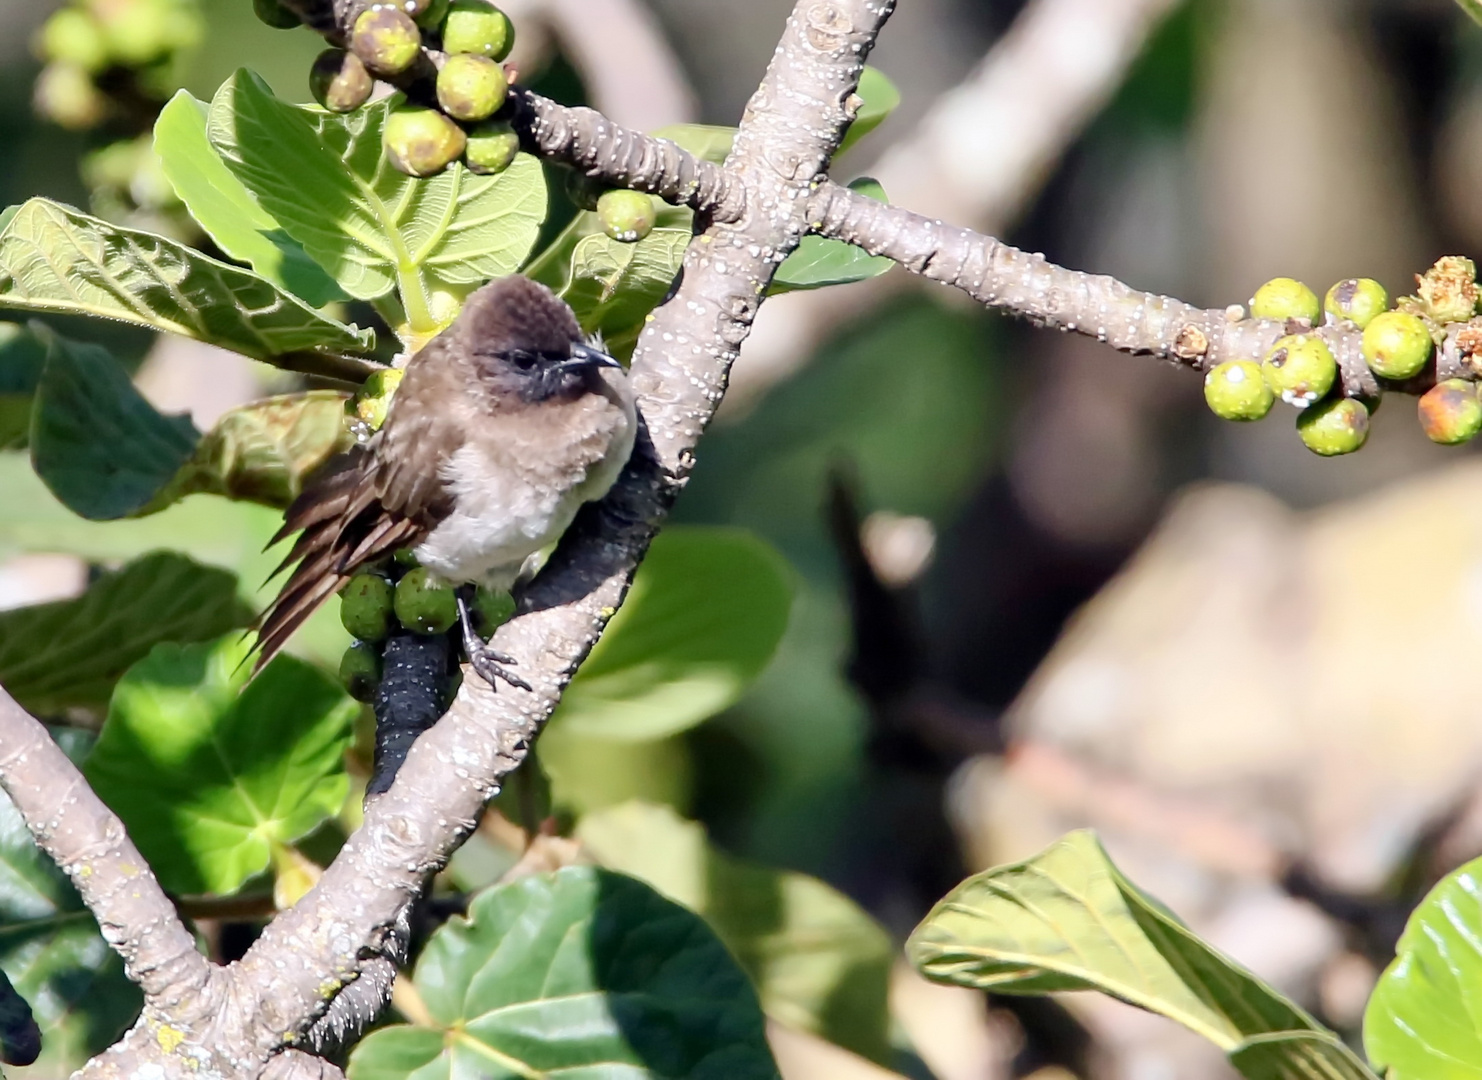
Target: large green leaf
(56, 259)
(706, 611)
(581, 973)
(706, 141)
(22, 355)
(231, 772)
(263, 451)
(226, 209)
(52, 952)
(1472, 8)
(69, 654)
(614, 285)
(1424, 1020)
(100, 447)
(1068, 920)
(879, 97)
(326, 179)
(818, 961)
(820, 261)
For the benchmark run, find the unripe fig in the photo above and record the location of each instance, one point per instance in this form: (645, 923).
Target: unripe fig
(275, 14)
(1301, 369)
(626, 215)
(405, 557)
(1396, 344)
(492, 147)
(143, 31)
(1334, 427)
(422, 142)
(360, 671)
(72, 36)
(66, 96)
(491, 610)
(1285, 298)
(417, 9)
(474, 26)
(425, 603)
(373, 399)
(339, 81)
(386, 40)
(1236, 390)
(1358, 300)
(471, 87)
(432, 14)
(1448, 290)
(365, 607)
(1450, 412)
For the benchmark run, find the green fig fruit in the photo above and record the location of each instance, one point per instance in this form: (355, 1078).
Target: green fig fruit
(471, 87)
(366, 604)
(339, 81)
(491, 610)
(1334, 427)
(1450, 412)
(425, 603)
(65, 95)
(1236, 390)
(422, 142)
(1301, 369)
(491, 148)
(360, 671)
(473, 26)
(626, 215)
(275, 14)
(1285, 298)
(1358, 300)
(386, 40)
(1396, 344)
(72, 36)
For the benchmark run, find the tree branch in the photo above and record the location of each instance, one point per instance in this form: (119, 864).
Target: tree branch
(1028, 285)
(87, 840)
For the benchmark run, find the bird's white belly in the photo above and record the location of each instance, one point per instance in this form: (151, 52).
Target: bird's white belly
(497, 523)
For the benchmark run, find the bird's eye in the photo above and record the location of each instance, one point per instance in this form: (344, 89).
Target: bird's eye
(522, 359)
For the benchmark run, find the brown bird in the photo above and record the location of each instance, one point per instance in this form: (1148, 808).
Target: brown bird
(503, 425)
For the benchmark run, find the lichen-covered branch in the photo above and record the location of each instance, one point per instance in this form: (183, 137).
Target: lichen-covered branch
(87, 840)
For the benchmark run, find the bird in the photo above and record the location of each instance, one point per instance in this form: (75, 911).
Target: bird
(500, 429)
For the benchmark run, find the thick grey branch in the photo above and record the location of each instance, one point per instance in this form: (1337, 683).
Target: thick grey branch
(88, 841)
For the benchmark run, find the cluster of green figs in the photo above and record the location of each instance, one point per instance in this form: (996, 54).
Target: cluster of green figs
(469, 39)
(1398, 343)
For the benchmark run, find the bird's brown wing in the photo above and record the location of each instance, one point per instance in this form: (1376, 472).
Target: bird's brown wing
(361, 507)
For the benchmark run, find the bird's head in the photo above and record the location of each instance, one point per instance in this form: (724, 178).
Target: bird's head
(524, 343)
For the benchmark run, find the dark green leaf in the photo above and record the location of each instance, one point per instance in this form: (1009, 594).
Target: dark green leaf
(1068, 920)
(819, 963)
(69, 654)
(52, 952)
(581, 973)
(56, 259)
(880, 98)
(22, 355)
(1422, 1020)
(325, 178)
(262, 452)
(819, 261)
(705, 614)
(227, 210)
(614, 285)
(100, 447)
(232, 771)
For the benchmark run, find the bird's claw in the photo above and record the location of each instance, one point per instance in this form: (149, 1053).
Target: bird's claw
(490, 666)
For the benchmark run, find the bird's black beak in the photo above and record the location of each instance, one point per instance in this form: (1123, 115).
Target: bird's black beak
(584, 356)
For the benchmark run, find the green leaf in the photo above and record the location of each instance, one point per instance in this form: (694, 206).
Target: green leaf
(231, 771)
(261, 452)
(706, 611)
(1068, 920)
(69, 654)
(1424, 1020)
(580, 973)
(52, 952)
(226, 209)
(100, 447)
(819, 261)
(880, 99)
(56, 259)
(22, 355)
(706, 141)
(1472, 8)
(324, 177)
(614, 285)
(819, 962)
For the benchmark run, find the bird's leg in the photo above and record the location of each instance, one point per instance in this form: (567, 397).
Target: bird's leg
(489, 664)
